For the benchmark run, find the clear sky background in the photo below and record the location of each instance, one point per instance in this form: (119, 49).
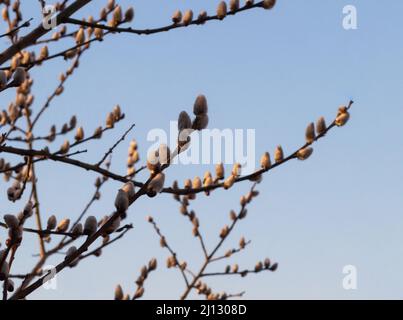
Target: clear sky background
(273, 71)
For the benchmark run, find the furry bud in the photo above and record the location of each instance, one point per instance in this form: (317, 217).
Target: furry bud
(28, 209)
(321, 126)
(265, 161)
(342, 119)
(229, 182)
(19, 76)
(11, 221)
(184, 121)
(278, 154)
(129, 14)
(52, 222)
(304, 153)
(222, 10)
(200, 106)
(200, 122)
(128, 187)
(63, 225)
(121, 201)
(77, 230)
(119, 293)
(219, 171)
(157, 183)
(79, 134)
(310, 133)
(268, 4)
(65, 147)
(90, 226)
(187, 17)
(177, 17)
(234, 5)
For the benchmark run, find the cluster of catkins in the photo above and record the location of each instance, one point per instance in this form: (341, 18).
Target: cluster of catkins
(221, 12)
(144, 273)
(15, 232)
(91, 225)
(159, 159)
(312, 133)
(132, 158)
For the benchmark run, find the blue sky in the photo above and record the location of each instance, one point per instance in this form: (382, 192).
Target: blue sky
(272, 71)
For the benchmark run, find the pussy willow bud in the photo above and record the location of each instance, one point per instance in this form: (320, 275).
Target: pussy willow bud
(219, 171)
(110, 120)
(224, 232)
(268, 4)
(139, 293)
(187, 17)
(321, 126)
(274, 267)
(201, 19)
(310, 133)
(177, 17)
(153, 163)
(278, 154)
(52, 222)
(79, 134)
(117, 15)
(110, 5)
(11, 221)
(342, 119)
(128, 187)
(242, 243)
(200, 122)
(90, 226)
(304, 153)
(98, 33)
(77, 230)
(80, 36)
(152, 265)
(19, 76)
(164, 154)
(267, 263)
(117, 112)
(222, 10)
(200, 106)
(63, 225)
(114, 226)
(118, 292)
(258, 266)
(229, 182)
(129, 14)
(70, 252)
(265, 161)
(234, 5)
(196, 184)
(184, 121)
(232, 215)
(236, 170)
(249, 2)
(65, 147)
(28, 209)
(157, 183)
(98, 133)
(121, 201)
